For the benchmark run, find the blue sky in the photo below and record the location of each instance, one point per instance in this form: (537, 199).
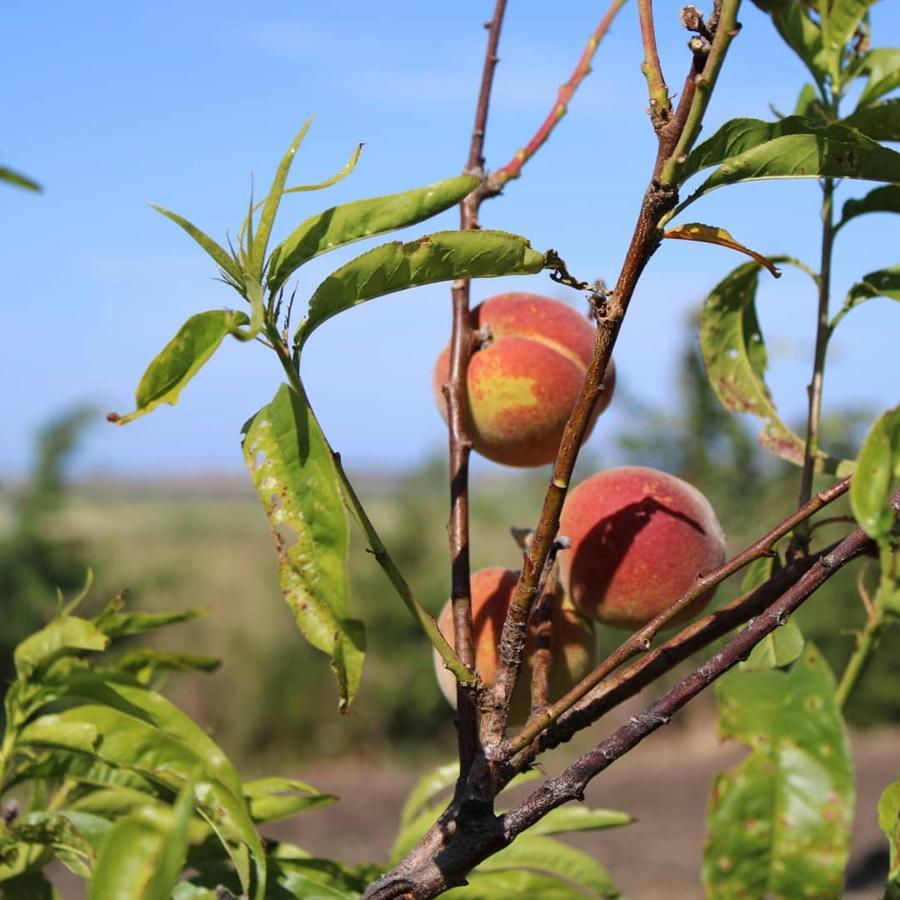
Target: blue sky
(112, 105)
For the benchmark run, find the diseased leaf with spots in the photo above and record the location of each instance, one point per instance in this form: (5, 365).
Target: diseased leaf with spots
(710, 234)
(734, 354)
(181, 359)
(779, 823)
(295, 477)
(352, 222)
(443, 256)
(877, 469)
(881, 121)
(881, 199)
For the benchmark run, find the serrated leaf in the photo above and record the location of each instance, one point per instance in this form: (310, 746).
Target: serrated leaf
(881, 121)
(66, 634)
(443, 256)
(882, 66)
(295, 477)
(221, 257)
(877, 468)
(882, 199)
(570, 818)
(889, 822)
(779, 824)
(144, 853)
(356, 221)
(181, 359)
(270, 207)
(710, 234)
(834, 151)
(10, 176)
(271, 799)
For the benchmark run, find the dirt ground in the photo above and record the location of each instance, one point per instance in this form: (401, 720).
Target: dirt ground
(657, 857)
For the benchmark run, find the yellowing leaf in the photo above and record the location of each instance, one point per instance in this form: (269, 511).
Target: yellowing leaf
(710, 234)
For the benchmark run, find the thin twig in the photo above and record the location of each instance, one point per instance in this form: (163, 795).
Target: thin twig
(461, 344)
(641, 639)
(570, 785)
(513, 169)
(814, 389)
(543, 634)
(660, 105)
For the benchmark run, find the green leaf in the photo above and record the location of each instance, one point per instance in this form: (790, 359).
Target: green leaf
(779, 823)
(877, 468)
(804, 36)
(809, 104)
(832, 151)
(889, 822)
(295, 477)
(569, 818)
(428, 788)
(136, 729)
(144, 853)
(548, 859)
(271, 799)
(10, 176)
(40, 836)
(114, 623)
(444, 256)
(881, 199)
(180, 360)
(775, 650)
(882, 66)
(883, 283)
(839, 22)
(145, 663)
(222, 259)
(351, 222)
(272, 202)
(881, 121)
(66, 634)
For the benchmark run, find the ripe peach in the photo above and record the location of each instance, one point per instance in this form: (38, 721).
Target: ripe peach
(571, 640)
(524, 379)
(640, 538)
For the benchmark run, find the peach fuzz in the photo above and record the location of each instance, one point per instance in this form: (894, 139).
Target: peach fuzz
(524, 379)
(640, 538)
(572, 643)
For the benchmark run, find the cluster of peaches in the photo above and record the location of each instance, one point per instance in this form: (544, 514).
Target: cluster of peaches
(638, 538)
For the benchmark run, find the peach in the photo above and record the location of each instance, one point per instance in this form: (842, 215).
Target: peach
(524, 379)
(571, 640)
(640, 538)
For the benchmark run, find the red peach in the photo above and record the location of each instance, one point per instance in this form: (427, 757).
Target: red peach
(640, 538)
(524, 379)
(571, 640)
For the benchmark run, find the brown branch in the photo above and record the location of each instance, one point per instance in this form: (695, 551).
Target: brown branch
(609, 311)
(513, 169)
(543, 634)
(641, 639)
(461, 343)
(570, 785)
